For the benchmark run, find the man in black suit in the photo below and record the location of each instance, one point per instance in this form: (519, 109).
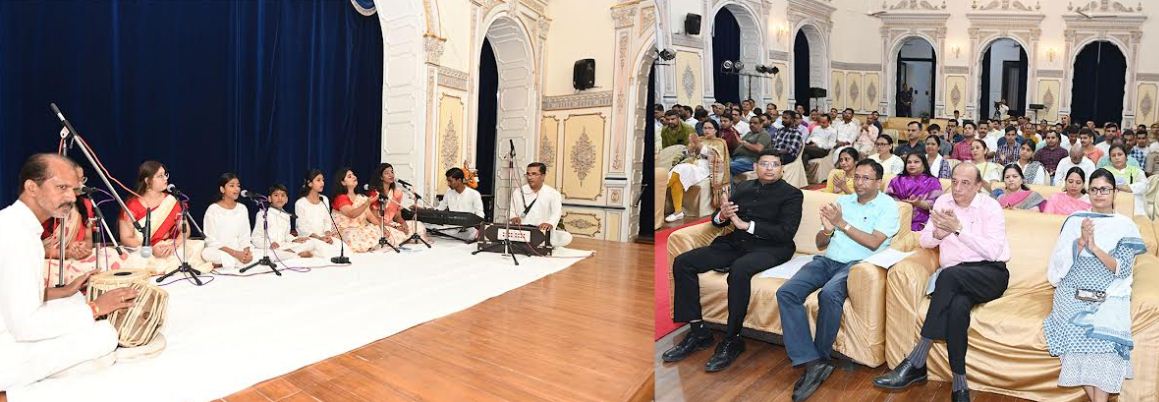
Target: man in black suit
(765, 214)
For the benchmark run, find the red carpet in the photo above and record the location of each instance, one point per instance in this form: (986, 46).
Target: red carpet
(664, 324)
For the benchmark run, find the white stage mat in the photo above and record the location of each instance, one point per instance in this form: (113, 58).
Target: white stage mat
(238, 331)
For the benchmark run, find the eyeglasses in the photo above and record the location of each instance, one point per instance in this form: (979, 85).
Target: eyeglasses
(769, 165)
(859, 179)
(1101, 190)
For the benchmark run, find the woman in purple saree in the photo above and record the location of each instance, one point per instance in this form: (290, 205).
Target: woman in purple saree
(917, 187)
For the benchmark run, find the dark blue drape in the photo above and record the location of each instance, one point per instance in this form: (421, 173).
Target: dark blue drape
(1100, 73)
(801, 72)
(264, 89)
(725, 46)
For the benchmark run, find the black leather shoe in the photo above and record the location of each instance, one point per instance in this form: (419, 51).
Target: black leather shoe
(726, 353)
(960, 396)
(811, 380)
(901, 377)
(692, 342)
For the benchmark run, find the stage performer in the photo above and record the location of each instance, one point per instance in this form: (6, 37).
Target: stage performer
(78, 242)
(538, 204)
(350, 213)
(461, 198)
(314, 220)
(227, 228)
(280, 239)
(168, 231)
(44, 331)
(383, 186)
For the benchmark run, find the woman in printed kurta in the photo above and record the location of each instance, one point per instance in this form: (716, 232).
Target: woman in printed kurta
(398, 229)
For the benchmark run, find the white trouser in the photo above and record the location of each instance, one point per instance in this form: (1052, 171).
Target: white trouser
(216, 256)
(24, 363)
(560, 238)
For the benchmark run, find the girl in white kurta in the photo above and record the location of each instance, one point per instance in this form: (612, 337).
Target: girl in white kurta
(314, 220)
(227, 228)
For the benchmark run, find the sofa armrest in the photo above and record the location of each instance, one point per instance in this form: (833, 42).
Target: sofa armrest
(691, 237)
(905, 287)
(866, 292)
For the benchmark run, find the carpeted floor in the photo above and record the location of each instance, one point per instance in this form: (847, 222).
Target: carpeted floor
(664, 324)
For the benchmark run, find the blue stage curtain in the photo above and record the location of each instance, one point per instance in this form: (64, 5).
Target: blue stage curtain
(264, 89)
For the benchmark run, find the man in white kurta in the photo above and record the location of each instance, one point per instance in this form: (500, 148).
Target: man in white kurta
(460, 198)
(44, 331)
(538, 204)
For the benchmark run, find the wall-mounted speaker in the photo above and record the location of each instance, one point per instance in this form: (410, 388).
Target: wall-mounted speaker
(692, 24)
(584, 74)
(818, 92)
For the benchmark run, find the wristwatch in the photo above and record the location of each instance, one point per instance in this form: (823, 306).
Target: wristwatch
(846, 227)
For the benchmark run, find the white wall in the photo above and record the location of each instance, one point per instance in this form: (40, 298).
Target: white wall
(571, 38)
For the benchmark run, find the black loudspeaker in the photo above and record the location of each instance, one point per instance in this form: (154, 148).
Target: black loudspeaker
(1036, 106)
(818, 92)
(584, 74)
(692, 24)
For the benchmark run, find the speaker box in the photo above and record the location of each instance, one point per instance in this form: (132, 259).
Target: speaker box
(818, 92)
(692, 24)
(584, 74)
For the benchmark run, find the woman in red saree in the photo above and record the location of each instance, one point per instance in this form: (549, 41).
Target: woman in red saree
(351, 211)
(78, 243)
(397, 228)
(167, 236)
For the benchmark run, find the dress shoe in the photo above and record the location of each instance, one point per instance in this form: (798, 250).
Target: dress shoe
(960, 396)
(811, 380)
(901, 376)
(692, 342)
(676, 216)
(726, 353)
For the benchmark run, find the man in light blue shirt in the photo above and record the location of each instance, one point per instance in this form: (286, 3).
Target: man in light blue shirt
(855, 227)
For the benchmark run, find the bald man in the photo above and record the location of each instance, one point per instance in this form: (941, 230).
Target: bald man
(44, 331)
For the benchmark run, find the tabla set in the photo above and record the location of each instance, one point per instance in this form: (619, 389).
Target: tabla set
(137, 327)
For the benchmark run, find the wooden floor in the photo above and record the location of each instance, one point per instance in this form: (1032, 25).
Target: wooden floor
(763, 373)
(583, 334)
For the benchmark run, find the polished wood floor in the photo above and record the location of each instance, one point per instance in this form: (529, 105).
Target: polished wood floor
(764, 373)
(583, 334)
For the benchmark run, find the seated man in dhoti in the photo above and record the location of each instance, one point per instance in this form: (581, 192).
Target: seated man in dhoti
(45, 331)
(538, 204)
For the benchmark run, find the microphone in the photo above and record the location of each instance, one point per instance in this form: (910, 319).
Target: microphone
(56, 111)
(172, 189)
(252, 195)
(381, 196)
(85, 190)
(403, 182)
(511, 142)
(146, 248)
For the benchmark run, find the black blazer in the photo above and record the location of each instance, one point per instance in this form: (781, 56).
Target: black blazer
(774, 207)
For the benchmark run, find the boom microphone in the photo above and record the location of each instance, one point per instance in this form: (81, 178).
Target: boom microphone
(172, 189)
(252, 195)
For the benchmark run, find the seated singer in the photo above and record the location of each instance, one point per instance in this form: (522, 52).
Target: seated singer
(280, 240)
(540, 205)
(384, 187)
(765, 214)
(969, 230)
(460, 198)
(227, 228)
(168, 231)
(79, 257)
(44, 331)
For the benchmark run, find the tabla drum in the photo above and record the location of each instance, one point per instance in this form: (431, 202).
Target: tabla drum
(137, 325)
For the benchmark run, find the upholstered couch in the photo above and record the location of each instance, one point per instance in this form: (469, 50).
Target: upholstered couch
(1007, 348)
(1124, 202)
(862, 332)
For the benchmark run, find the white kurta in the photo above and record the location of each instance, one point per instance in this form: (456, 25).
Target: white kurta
(892, 165)
(467, 201)
(226, 228)
(38, 339)
(279, 232)
(547, 208)
(694, 172)
(313, 219)
(847, 132)
(824, 137)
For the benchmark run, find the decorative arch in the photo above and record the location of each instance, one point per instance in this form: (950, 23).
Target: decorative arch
(896, 28)
(636, 53)
(814, 19)
(980, 54)
(750, 17)
(403, 92)
(990, 26)
(1124, 31)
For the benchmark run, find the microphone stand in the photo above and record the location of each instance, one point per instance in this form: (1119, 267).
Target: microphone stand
(184, 267)
(72, 136)
(383, 243)
(414, 236)
(341, 258)
(506, 242)
(104, 228)
(265, 260)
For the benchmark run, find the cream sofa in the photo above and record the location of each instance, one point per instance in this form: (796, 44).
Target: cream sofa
(861, 337)
(1007, 349)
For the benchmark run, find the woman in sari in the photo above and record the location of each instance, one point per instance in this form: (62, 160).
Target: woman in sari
(991, 172)
(1034, 172)
(1073, 198)
(397, 229)
(168, 230)
(916, 187)
(884, 156)
(1089, 326)
(840, 180)
(350, 211)
(78, 243)
(866, 139)
(1016, 195)
(708, 160)
(939, 166)
(1128, 178)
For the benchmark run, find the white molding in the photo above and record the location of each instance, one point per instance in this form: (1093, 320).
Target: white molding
(582, 100)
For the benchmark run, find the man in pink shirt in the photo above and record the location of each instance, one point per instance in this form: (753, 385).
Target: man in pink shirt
(969, 229)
